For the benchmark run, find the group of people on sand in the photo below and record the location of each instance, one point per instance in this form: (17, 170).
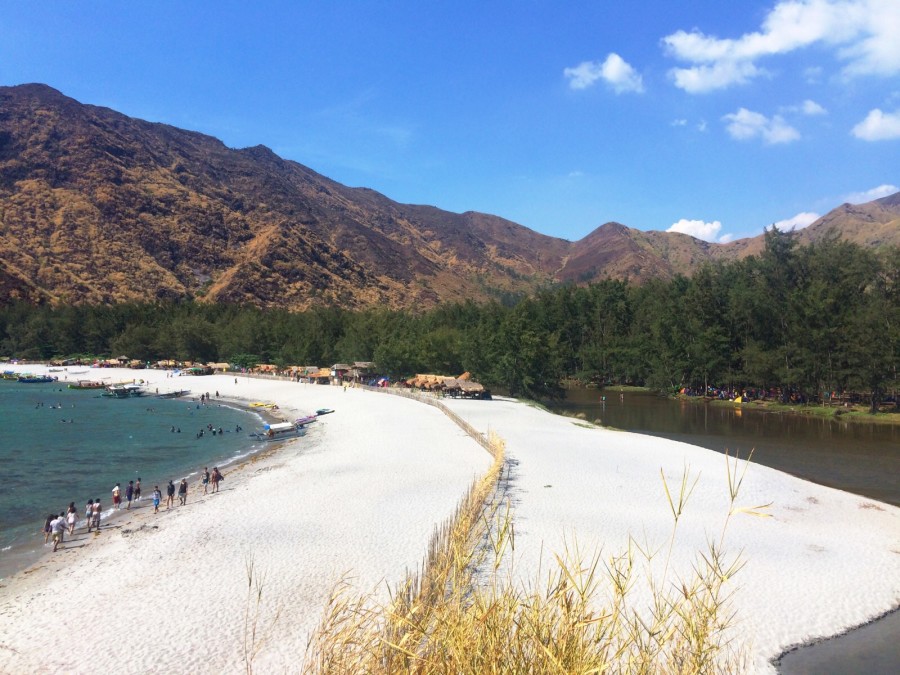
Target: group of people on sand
(56, 526)
(132, 493)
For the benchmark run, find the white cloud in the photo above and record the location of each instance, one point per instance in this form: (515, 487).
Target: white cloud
(615, 71)
(812, 108)
(869, 195)
(679, 123)
(746, 124)
(701, 79)
(878, 126)
(798, 222)
(863, 33)
(813, 74)
(701, 230)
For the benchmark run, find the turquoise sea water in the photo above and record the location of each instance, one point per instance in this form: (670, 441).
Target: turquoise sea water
(46, 462)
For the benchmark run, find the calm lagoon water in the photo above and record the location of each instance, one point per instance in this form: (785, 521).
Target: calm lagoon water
(858, 457)
(59, 445)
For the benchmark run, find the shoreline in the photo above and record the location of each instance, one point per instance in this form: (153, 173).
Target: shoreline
(306, 512)
(832, 651)
(361, 493)
(21, 557)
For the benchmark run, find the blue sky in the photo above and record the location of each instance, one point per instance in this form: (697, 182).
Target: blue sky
(713, 118)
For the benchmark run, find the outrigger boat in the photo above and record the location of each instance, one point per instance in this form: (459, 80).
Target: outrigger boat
(279, 431)
(36, 379)
(123, 391)
(174, 394)
(87, 384)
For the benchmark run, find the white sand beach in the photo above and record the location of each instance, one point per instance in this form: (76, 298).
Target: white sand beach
(360, 494)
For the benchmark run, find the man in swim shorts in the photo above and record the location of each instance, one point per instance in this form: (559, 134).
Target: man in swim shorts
(57, 527)
(95, 519)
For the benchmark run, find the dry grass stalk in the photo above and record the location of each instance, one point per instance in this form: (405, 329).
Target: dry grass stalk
(446, 620)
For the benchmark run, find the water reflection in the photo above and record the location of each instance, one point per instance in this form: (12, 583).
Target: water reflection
(855, 456)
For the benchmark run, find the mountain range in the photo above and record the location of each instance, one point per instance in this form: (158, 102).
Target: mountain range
(99, 207)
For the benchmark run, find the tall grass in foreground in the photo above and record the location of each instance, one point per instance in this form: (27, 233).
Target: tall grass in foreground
(462, 613)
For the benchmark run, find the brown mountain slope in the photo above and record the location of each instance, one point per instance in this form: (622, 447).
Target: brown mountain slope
(874, 224)
(99, 207)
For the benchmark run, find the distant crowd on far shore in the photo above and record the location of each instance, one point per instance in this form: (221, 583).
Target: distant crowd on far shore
(56, 526)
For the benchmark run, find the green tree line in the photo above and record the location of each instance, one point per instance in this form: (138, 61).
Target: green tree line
(802, 320)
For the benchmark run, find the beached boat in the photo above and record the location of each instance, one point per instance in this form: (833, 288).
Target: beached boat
(124, 391)
(87, 384)
(279, 431)
(174, 394)
(36, 379)
(309, 419)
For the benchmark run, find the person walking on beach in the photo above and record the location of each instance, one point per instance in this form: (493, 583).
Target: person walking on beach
(129, 494)
(71, 518)
(47, 529)
(205, 480)
(157, 496)
(215, 478)
(95, 515)
(117, 496)
(182, 492)
(170, 495)
(137, 490)
(58, 526)
(89, 513)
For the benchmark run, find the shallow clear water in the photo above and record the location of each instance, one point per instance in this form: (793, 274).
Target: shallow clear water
(59, 445)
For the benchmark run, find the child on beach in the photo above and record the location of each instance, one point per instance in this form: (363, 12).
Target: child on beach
(117, 496)
(182, 492)
(137, 490)
(170, 495)
(205, 480)
(129, 494)
(88, 513)
(157, 496)
(47, 527)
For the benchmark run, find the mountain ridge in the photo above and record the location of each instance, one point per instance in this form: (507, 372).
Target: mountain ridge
(98, 207)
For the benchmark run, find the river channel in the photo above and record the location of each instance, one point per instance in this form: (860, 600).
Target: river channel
(859, 457)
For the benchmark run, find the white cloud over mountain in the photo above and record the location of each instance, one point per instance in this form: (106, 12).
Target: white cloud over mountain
(869, 195)
(798, 222)
(863, 34)
(701, 230)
